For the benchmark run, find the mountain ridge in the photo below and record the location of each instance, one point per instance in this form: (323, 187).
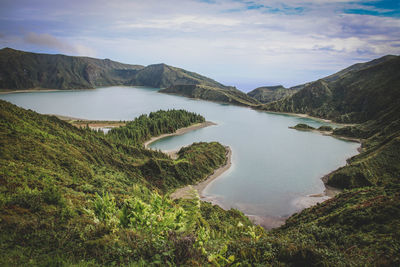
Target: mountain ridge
(27, 70)
(352, 96)
(270, 94)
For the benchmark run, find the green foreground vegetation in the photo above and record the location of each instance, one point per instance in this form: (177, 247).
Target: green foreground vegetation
(73, 196)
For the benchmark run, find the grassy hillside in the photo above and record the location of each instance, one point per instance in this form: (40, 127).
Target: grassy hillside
(70, 194)
(360, 227)
(379, 163)
(267, 94)
(218, 94)
(357, 67)
(74, 196)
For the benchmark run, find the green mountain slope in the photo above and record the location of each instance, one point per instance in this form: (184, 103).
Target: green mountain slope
(24, 70)
(357, 67)
(225, 95)
(163, 76)
(268, 94)
(379, 163)
(355, 96)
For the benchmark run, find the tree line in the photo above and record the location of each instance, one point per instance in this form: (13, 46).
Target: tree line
(144, 127)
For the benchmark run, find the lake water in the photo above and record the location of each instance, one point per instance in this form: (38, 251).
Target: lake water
(273, 166)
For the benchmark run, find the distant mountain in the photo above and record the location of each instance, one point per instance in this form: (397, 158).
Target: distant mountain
(267, 94)
(163, 76)
(357, 67)
(226, 94)
(25, 70)
(355, 94)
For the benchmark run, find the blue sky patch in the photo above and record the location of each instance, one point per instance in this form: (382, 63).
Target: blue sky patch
(385, 8)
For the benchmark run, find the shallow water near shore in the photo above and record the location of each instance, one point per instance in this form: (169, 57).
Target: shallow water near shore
(273, 167)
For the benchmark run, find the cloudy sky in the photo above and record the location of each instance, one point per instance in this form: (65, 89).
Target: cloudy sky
(237, 42)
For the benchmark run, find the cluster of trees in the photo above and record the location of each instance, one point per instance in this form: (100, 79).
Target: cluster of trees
(161, 122)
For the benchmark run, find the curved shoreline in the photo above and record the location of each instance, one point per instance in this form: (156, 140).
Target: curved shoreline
(188, 191)
(180, 132)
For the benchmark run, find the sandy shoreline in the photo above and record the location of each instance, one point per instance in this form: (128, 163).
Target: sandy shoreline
(180, 132)
(329, 191)
(330, 133)
(5, 92)
(188, 191)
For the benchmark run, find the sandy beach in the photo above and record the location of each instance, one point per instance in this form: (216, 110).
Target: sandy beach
(313, 199)
(180, 131)
(329, 191)
(189, 190)
(5, 91)
(330, 133)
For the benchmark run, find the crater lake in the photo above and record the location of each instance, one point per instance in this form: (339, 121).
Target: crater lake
(274, 168)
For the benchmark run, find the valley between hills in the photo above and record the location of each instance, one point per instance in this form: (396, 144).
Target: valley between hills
(74, 196)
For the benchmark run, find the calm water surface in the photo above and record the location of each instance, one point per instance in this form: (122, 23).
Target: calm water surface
(273, 166)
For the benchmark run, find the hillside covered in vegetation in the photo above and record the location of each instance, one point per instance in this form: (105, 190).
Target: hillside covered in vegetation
(74, 196)
(25, 70)
(267, 94)
(229, 95)
(354, 95)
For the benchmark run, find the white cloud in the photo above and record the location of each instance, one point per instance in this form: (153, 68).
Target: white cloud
(62, 46)
(225, 40)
